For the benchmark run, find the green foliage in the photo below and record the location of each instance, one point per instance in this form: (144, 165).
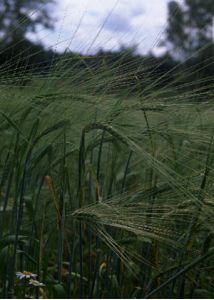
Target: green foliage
(190, 28)
(17, 17)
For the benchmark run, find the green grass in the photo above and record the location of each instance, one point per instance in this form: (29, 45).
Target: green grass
(106, 192)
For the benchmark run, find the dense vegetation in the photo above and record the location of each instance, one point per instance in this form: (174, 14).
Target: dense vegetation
(106, 175)
(106, 194)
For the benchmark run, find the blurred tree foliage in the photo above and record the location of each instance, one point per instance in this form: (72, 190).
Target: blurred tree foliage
(190, 34)
(18, 17)
(190, 27)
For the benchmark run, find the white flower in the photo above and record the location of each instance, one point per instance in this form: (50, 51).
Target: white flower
(26, 274)
(36, 282)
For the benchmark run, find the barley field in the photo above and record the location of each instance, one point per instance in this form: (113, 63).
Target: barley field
(106, 187)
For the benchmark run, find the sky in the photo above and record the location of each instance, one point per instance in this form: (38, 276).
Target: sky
(86, 26)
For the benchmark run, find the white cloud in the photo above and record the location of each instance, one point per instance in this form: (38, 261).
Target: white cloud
(87, 25)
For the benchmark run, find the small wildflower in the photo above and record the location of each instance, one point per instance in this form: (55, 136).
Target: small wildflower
(36, 282)
(26, 274)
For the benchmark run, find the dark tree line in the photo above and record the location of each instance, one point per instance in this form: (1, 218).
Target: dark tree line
(190, 27)
(189, 34)
(17, 18)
